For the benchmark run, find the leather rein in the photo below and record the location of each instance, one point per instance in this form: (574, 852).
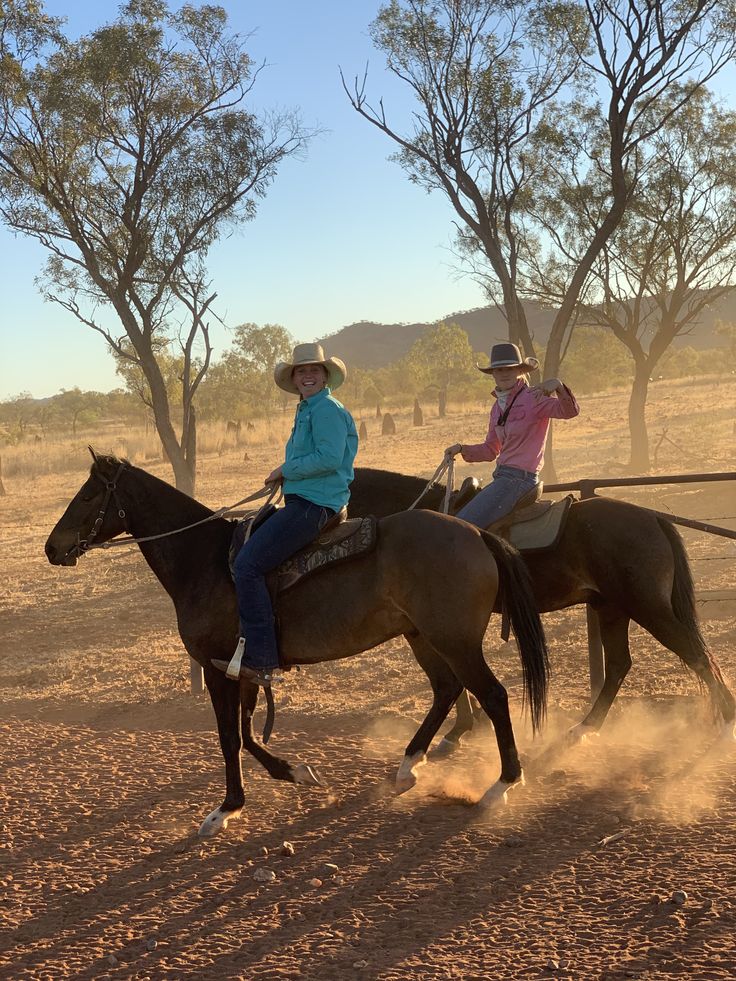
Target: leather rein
(83, 545)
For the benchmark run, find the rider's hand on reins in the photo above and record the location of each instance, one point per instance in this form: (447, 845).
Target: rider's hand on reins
(454, 450)
(275, 477)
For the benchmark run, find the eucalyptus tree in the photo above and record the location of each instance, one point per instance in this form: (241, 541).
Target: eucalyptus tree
(501, 92)
(645, 62)
(127, 153)
(481, 74)
(674, 253)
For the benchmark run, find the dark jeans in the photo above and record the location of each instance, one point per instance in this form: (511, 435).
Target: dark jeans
(291, 528)
(495, 501)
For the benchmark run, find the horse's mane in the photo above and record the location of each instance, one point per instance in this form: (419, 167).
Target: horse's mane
(106, 465)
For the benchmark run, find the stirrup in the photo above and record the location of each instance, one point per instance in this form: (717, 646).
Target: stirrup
(263, 677)
(233, 668)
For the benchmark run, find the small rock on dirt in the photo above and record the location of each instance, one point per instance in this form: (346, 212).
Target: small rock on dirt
(315, 882)
(678, 897)
(264, 875)
(512, 841)
(287, 849)
(329, 869)
(554, 778)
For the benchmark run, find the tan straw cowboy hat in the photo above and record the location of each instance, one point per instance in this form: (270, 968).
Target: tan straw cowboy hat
(508, 356)
(309, 354)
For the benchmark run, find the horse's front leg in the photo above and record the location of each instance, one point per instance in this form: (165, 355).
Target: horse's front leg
(226, 703)
(275, 766)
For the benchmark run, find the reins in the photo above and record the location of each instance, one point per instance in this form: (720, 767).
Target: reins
(272, 492)
(447, 466)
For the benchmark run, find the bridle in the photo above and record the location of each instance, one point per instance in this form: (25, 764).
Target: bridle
(272, 492)
(83, 545)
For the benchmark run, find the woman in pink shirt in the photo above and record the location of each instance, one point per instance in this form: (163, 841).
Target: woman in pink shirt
(517, 434)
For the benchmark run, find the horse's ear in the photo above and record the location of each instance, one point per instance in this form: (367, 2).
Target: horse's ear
(94, 455)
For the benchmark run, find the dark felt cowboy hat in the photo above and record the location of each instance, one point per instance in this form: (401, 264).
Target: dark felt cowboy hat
(508, 356)
(309, 354)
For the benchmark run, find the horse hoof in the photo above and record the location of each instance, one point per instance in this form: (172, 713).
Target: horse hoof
(497, 795)
(216, 822)
(404, 783)
(443, 749)
(304, 773)
(406, 778)
(580, 734)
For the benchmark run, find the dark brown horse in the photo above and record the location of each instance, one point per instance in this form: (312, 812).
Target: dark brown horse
(623, 560)
(430, 578)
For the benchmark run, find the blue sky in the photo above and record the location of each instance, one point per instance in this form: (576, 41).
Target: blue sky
(342, 235)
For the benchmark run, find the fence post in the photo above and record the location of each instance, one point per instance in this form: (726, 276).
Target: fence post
(196, 677)
(596, 665)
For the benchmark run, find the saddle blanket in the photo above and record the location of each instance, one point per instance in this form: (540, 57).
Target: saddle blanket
(541, 531)
(348, 540)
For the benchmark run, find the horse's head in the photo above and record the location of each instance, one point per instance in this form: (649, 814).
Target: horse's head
(94, 514)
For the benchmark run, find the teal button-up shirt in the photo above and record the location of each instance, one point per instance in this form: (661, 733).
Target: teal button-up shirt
(320, 452)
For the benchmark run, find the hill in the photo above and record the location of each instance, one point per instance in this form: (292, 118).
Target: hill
(370, 345)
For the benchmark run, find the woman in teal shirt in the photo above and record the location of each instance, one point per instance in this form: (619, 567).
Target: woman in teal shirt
(316, 476)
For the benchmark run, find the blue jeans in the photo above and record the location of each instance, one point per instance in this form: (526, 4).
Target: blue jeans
(495, 501)
(289, 529)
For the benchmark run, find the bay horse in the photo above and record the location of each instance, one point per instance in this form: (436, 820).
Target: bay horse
(626, 562)
(430, 578)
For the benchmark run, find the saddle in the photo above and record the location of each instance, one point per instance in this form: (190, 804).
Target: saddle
(340, 539)
(534, 525)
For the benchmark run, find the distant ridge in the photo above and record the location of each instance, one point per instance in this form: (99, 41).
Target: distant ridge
(369, 345)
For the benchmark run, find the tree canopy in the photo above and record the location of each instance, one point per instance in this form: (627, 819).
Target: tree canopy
(127, 154)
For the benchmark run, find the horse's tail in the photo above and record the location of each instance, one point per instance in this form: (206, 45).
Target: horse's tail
(517, 598)
(683, 595)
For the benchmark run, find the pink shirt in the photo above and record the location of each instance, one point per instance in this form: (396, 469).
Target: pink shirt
(520, 442)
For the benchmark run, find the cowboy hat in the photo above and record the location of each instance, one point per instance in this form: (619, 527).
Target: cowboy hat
(508, 356)
(309, 354)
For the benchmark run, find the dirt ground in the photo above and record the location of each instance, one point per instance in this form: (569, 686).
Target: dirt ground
(616, 860)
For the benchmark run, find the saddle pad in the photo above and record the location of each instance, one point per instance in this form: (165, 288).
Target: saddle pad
(542, 532)
(349, 540)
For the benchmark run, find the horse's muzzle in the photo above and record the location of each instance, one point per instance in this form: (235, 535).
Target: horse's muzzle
(57, 557)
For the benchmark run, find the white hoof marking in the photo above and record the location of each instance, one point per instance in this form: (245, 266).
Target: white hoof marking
(405, 775)
(445, 747)
(580, 734)
(304, 773)
(497, 795)
(216, 822)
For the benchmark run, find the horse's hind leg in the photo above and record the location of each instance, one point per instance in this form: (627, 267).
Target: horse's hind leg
(477, 677)
(614, 626)
(464, 721)
(687, 642)
(445, 689)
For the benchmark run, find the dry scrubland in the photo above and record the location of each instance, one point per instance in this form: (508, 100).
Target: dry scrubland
(109, 765)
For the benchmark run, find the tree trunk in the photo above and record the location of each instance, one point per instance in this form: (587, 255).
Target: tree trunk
(639, 458)
(183, 475)
(549, 472)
